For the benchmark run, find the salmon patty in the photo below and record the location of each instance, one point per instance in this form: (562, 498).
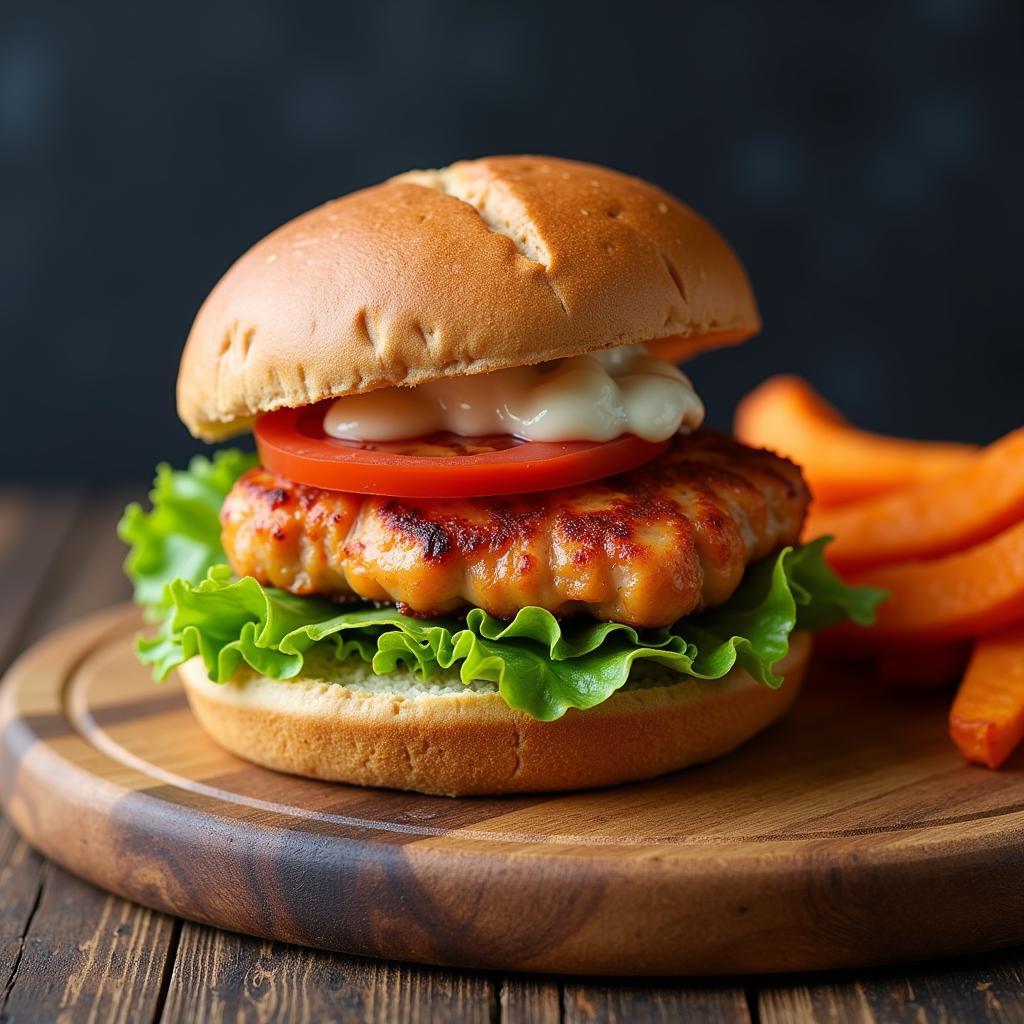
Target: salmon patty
(647, 547)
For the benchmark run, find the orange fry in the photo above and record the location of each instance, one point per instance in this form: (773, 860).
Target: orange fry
(987, 718)
(841, 463)
(964, 594)
(975, 502)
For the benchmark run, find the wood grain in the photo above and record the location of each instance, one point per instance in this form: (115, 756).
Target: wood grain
(89, 956)
(630, 1004)
(526, 1001)
(33, 531)
(821, 844)
(988, 991)
(86, 571)
(21, 872)
(67, 951)
(222, 977)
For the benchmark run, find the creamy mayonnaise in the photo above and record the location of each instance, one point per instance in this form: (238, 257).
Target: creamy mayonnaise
(594, 397)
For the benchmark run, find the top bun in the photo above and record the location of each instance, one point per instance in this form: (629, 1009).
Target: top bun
(486, 264)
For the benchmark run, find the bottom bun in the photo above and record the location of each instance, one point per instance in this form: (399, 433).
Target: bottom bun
(403, 732)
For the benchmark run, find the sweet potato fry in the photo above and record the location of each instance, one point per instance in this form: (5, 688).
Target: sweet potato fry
(987, 718)
(974, 591)
(975, 502)
(841, 463)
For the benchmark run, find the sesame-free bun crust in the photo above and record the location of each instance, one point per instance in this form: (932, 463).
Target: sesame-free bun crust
(485, 264)
(460, 744)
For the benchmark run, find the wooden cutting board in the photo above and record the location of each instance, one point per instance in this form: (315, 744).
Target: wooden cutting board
(849, 834)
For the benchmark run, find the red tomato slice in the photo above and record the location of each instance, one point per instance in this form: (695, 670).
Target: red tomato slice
(292, 443)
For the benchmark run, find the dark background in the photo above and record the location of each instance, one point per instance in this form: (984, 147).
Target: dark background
(866, 160)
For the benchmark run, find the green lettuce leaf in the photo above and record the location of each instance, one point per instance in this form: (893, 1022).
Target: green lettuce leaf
(180, 537)
(540, 665)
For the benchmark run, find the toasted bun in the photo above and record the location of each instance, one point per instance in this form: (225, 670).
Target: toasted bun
(400, 732)
(485, 264)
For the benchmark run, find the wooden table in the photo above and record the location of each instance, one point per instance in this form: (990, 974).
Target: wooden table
(71, 952)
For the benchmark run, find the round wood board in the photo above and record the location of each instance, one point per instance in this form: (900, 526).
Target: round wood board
(851, 833)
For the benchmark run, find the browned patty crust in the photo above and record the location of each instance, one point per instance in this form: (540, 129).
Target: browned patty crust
(644, 547)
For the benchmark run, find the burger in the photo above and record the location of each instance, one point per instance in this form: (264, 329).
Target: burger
(484, 544)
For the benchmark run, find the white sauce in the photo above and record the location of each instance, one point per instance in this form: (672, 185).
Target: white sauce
(594, 397)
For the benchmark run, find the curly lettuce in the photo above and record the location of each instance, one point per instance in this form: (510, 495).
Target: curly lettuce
(540, 665)
(180, 537)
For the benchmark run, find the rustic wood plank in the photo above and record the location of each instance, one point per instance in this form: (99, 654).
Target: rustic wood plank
(221, 977)
(981, 989)
(645, 1004)
(87, 573)
(422, 995)
(526, 1001)
(67, 950)
(21, 871)
(33, 530)
(88, 956)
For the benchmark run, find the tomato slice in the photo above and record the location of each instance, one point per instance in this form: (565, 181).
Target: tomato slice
(292, 443)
